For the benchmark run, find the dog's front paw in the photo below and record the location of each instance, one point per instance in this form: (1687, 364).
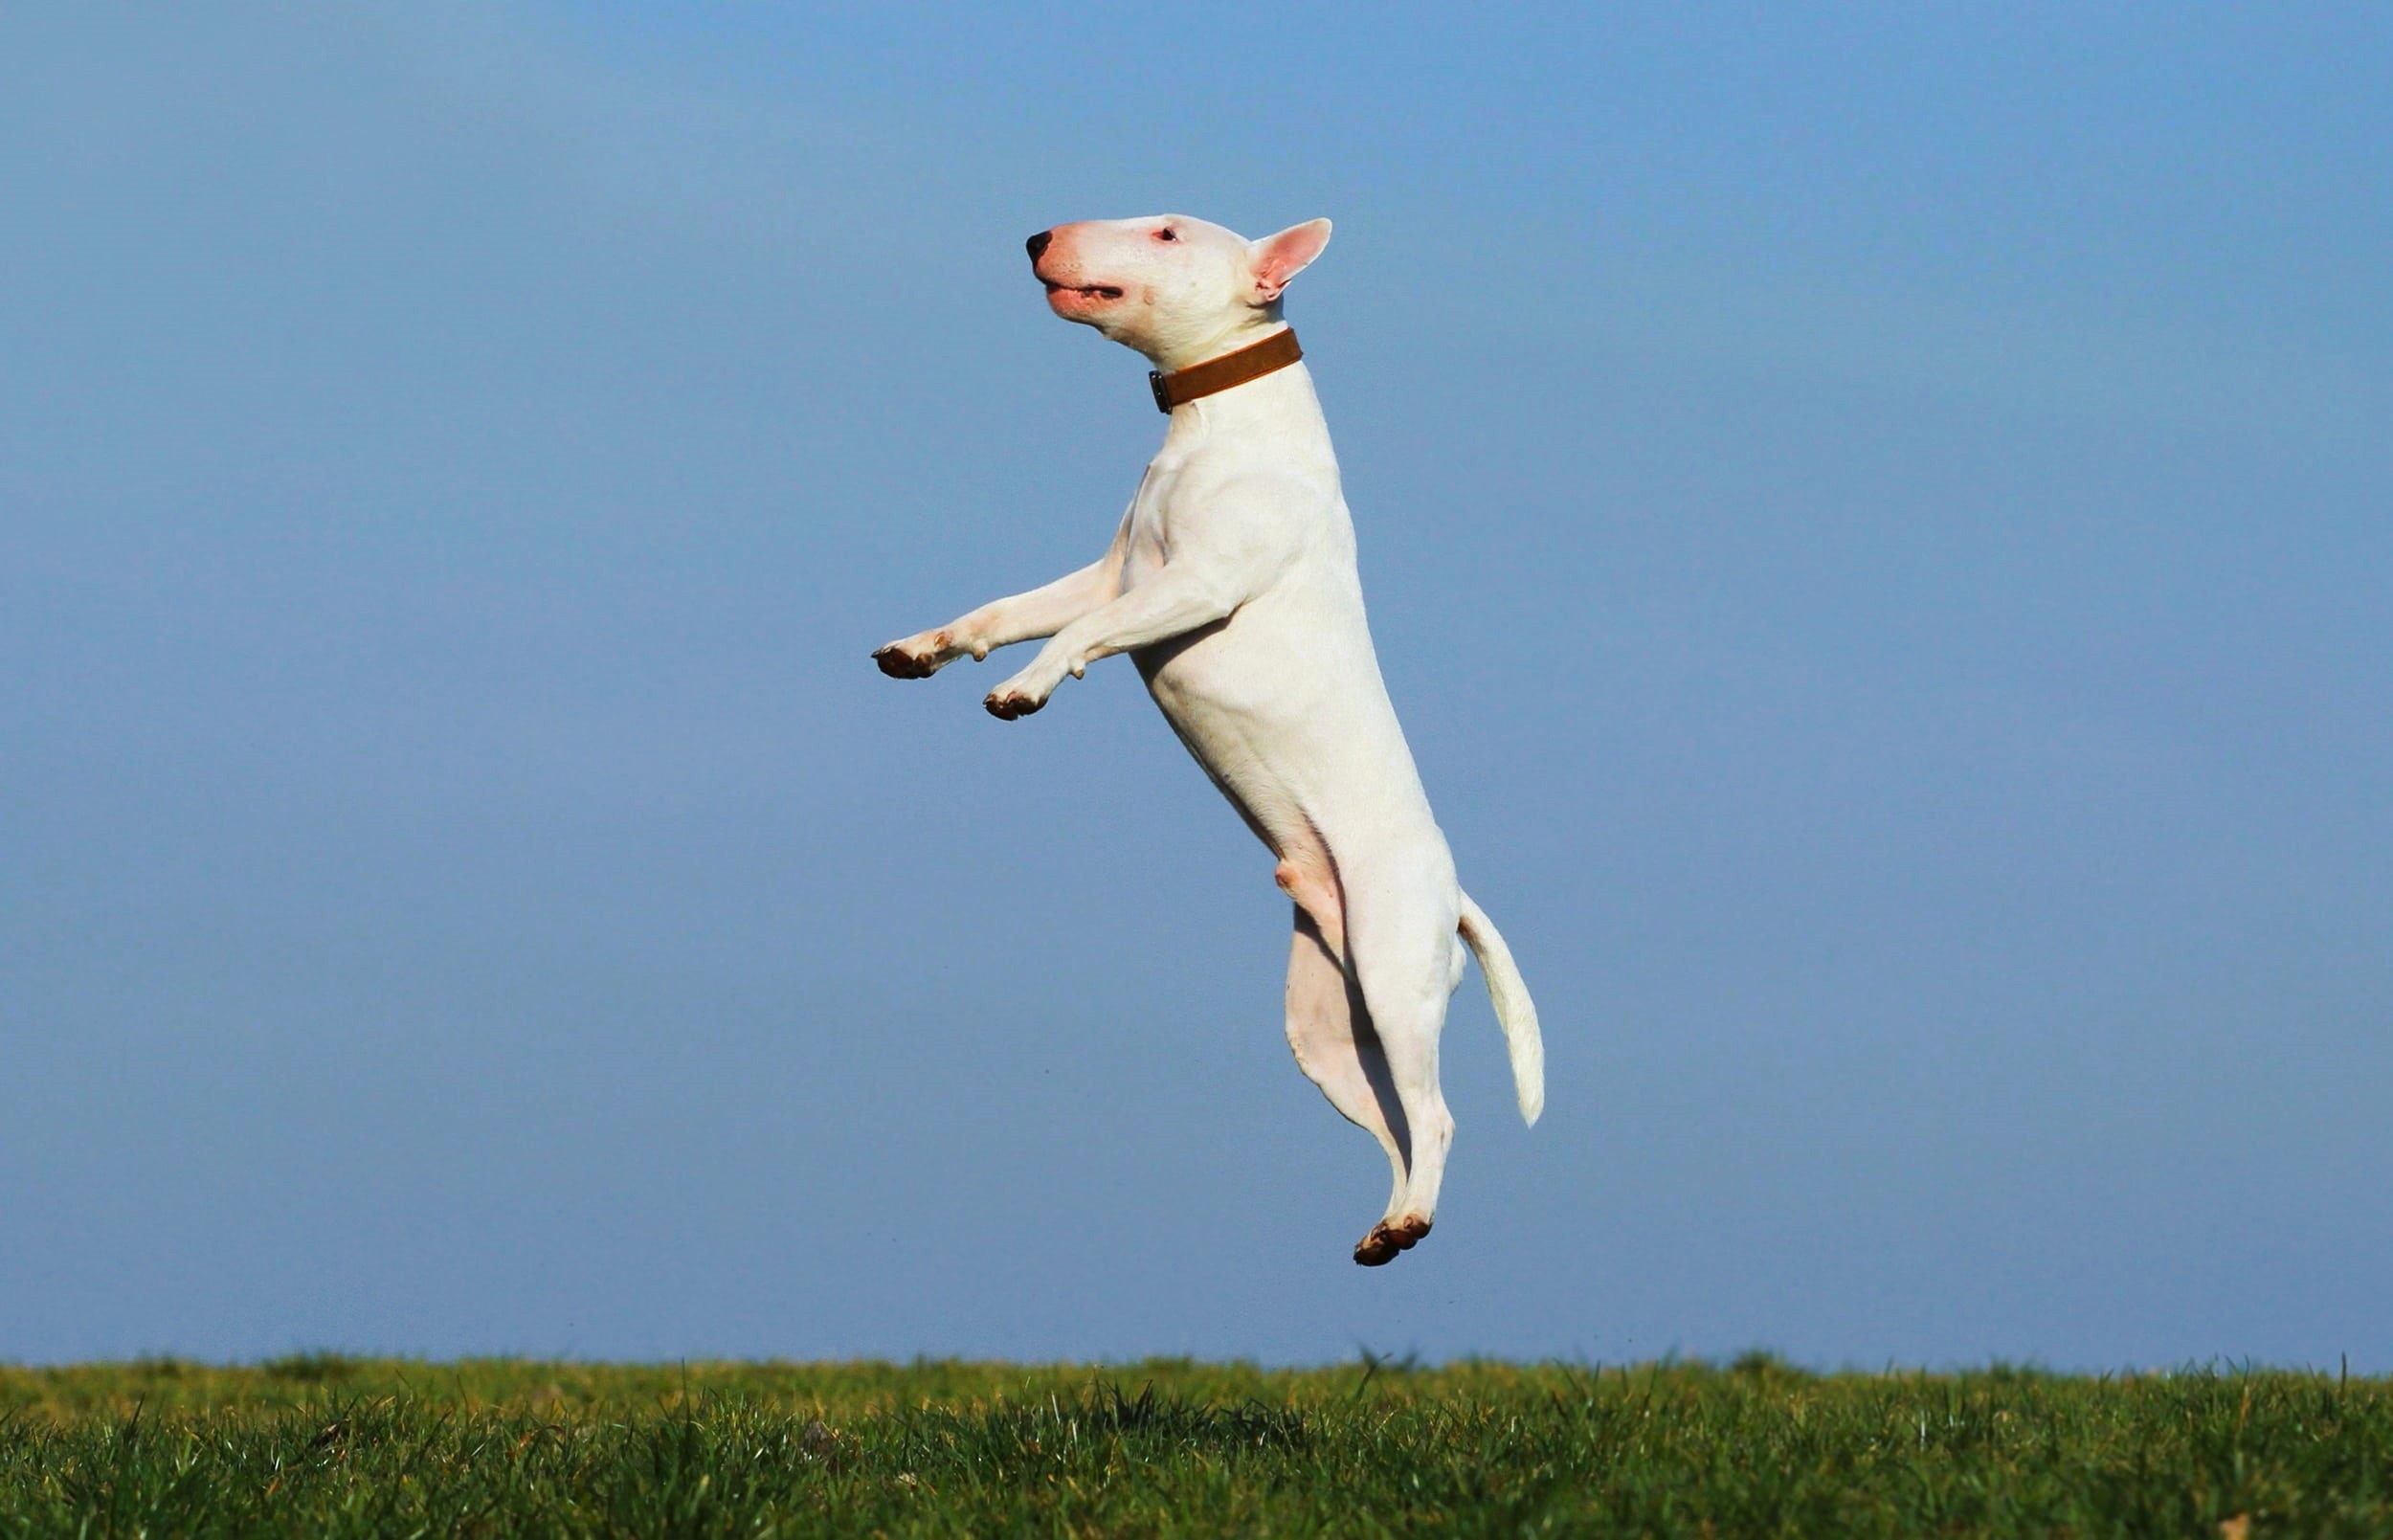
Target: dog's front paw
(1027, 691)
(1010, 700)
(915, 657)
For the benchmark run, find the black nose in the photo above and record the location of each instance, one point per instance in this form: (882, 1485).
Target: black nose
(1038, 243)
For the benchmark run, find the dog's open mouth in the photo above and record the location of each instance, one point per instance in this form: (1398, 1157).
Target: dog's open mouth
(1086, 291)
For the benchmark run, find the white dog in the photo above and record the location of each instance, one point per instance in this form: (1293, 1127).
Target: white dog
(1232, 586)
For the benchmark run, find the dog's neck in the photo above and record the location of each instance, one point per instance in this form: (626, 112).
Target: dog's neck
(1273, 351)
(1172, 346)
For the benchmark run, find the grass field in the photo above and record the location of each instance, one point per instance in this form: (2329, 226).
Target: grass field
(320, 1445)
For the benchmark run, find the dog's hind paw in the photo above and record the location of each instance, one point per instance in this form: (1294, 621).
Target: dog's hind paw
(1379, 1248)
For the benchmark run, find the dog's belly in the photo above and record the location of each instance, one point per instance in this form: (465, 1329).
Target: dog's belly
(1284, 707)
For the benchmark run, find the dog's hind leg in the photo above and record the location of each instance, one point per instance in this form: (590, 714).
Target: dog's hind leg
(1402, 949)
(1336, 1048)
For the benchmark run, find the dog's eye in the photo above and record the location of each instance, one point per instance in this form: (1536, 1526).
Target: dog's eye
(1166, 232)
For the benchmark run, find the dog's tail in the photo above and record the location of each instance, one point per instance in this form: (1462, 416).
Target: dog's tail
(1513, 1008)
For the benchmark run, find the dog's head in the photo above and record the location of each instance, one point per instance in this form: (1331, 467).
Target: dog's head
(1177, 289)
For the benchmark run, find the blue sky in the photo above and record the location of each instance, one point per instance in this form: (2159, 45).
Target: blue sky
(1876, 524)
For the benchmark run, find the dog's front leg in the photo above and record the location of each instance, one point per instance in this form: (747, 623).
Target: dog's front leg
(1043, 611)
(1174, 602)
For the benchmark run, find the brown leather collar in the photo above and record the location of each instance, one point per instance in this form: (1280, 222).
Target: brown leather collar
(1252, 361)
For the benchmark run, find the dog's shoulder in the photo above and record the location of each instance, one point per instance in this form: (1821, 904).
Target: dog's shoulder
(1243, 482)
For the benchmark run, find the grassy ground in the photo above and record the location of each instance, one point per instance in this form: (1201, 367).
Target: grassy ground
(328, 1446)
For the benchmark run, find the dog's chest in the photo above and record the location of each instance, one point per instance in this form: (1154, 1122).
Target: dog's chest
(1153, 527)
(1238, 488)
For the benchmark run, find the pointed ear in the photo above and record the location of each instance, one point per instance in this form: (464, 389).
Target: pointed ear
(1278, 258)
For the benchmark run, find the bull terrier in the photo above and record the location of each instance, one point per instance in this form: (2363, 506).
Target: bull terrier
(1230, 583)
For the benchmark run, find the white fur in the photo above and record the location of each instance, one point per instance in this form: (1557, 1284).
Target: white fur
(1230, 583)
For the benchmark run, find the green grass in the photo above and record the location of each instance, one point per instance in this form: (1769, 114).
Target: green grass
(323, 1445)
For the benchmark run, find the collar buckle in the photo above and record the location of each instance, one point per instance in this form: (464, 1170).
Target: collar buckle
(1163, 392)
